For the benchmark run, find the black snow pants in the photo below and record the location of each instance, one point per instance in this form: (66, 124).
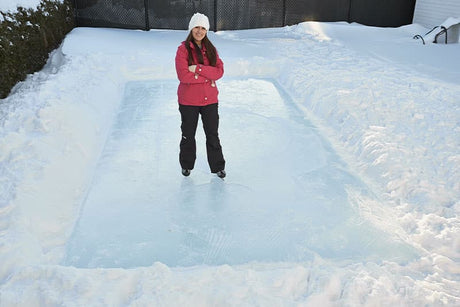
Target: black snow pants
(210, 120)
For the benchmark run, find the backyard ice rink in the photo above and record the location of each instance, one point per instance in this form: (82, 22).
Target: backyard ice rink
(342, 153)
(285, 199)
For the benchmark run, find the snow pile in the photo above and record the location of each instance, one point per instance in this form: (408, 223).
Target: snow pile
(430, 36)
(449, 22)
(385, 103)
(43, 135)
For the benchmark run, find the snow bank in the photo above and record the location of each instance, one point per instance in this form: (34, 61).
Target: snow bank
(430, 37)
(398, 117)
(394, 121)
(400, 133)
(49, 143)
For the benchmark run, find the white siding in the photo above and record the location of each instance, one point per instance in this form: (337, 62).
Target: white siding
(430, 13)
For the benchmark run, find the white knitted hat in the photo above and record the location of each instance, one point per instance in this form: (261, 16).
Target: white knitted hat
(198, 20)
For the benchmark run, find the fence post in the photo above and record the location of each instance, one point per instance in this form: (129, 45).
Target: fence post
(215, 15)
(284, 13)
(349, 11)
(75, 12)
(146, 8)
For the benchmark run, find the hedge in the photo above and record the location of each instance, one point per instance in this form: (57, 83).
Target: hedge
(28, 36)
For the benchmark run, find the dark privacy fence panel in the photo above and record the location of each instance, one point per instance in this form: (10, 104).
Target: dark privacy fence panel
(322, 10)
(249, 14)
(383, 13)
(239, 14)
(165, 14)
(128, 14)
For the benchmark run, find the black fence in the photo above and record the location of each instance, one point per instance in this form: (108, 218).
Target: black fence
(239, 14)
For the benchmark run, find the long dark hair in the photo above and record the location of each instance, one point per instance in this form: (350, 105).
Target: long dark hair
(211, 52)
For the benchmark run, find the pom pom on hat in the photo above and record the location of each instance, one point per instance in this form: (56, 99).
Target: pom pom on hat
(199, 20)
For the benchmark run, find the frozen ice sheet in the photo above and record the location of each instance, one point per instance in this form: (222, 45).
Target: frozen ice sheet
(284, 199)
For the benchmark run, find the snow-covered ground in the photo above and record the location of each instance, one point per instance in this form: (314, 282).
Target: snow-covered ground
(343, 187)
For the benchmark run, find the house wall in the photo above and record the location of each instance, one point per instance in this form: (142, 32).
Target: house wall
(430, 13)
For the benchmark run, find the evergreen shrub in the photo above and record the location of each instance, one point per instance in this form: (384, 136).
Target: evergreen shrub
(28, 36)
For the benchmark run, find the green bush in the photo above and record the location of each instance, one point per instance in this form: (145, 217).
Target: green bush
(28, 36)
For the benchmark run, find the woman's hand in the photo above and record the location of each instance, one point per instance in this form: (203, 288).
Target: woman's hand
(192, 68)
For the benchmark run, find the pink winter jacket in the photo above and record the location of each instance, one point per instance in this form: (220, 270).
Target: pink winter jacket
(199, 88)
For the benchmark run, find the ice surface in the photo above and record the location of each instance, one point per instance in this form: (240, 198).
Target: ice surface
(285, 197)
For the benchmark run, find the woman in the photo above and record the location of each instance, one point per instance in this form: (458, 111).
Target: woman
(198, 66)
